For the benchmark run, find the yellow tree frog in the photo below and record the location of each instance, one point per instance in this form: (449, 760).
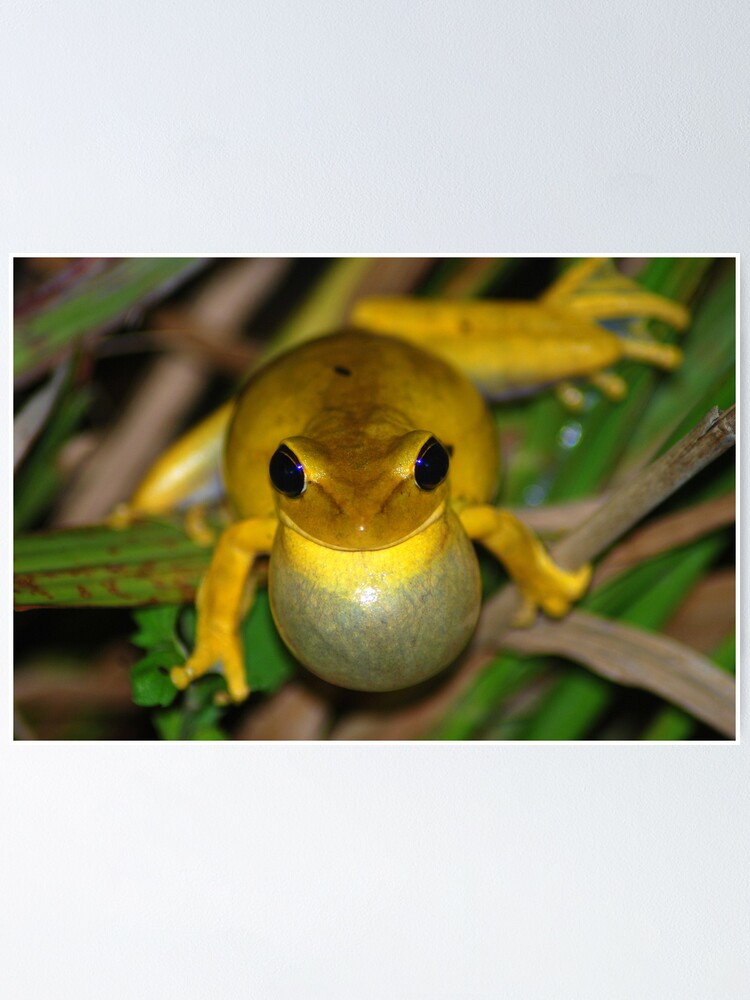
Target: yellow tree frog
(365, 464)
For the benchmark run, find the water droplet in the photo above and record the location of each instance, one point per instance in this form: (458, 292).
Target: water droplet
(570, 434)
(534, 495)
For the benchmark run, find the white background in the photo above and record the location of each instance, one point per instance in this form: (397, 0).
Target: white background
(361, 871)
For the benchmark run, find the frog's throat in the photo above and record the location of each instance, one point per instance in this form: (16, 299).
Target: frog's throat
(434, 516)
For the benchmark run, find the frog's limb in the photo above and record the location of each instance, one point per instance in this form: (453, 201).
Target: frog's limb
(197, 526)
(509, 348)
(184, 470)
(541, 581)
(222, 601)
(610, 385)
(594, 289)
(570, 395)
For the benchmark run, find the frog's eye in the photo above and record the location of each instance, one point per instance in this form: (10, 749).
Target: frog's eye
(431, 466)
(287, 473)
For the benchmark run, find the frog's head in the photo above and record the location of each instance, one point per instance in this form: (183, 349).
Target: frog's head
(352, 491)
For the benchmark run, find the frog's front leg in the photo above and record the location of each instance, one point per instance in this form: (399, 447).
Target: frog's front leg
(541, 581)
(222, 602)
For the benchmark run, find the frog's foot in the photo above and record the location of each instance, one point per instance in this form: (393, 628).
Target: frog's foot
(216, 646)
(571, 396)
(121, 517)
(610, 385)
(594, 289)
(526, 614)
(650, 352)
(541, 581)
(195, 521)
(552, 589)
(197, 527)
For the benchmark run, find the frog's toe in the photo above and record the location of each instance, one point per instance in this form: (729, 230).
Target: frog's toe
(121, 517)
(580, 579)
(571, 587)
(524, 617)
(203, 658)
(181, 676)
(556, 606)
(238, 691)
(197, 527)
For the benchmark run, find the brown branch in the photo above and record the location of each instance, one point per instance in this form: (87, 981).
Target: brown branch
(666, 533)
(636, 658)
(626, 506)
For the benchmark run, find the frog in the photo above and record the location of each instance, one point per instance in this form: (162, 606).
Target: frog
(364, 464)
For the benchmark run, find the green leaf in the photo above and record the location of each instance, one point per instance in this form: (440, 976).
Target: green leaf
(725, 654)
(156, 627)
(151, 562)
(169, 725)
(685, 396)
(325, 308)
(506, 674)
(150, 681)
(38, 479)
(670, 724)
(209, 733)
(197, 717)
(572, 708)
(646, 595)
(149, 677)
(268, 663)
(98, 300)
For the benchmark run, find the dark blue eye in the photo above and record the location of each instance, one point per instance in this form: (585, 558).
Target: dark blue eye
(287, 473)
(431, 466)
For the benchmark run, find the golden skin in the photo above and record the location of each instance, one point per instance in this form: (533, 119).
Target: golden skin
(373, 580)
(364, 553)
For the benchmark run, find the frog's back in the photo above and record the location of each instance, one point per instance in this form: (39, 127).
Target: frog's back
(356, 378)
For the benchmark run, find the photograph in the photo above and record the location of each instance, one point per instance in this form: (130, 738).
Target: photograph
(486, 499)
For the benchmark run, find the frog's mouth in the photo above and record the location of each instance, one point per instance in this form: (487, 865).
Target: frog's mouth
(438, 513)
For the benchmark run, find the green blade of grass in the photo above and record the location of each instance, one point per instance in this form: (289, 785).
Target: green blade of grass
(670, 724)
(153, 562)
(570, 710)
(39, 478)
(506, 674)
(466, 278)
(99, 301)
(699, 383)
(324, 309)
